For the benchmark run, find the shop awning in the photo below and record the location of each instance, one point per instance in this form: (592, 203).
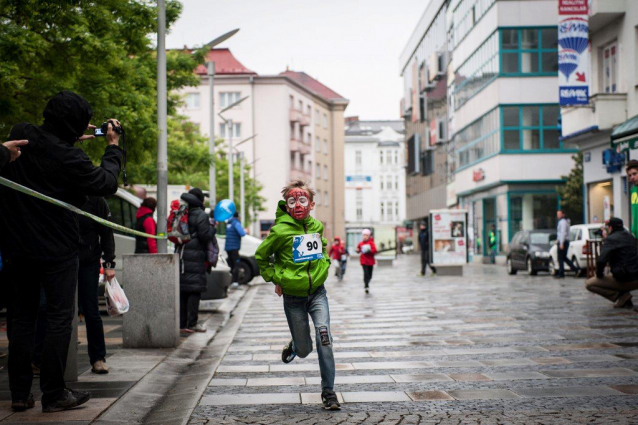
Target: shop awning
(625, 135)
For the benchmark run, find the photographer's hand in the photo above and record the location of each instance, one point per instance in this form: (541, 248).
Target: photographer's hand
(112, 137)
(88, 136)
(14, 148)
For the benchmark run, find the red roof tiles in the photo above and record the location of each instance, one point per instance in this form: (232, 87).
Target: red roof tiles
(225, 64)
(312, 84)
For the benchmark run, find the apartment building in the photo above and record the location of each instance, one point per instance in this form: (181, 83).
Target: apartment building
(298, 128)
(375, 176)
(613, 101)
(505, 155)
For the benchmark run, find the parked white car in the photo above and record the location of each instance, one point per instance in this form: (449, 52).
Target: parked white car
(248, 267)
(123, 206)
(579, 234)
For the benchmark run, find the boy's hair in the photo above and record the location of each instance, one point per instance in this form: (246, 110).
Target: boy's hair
(298, 184)
(632, 165)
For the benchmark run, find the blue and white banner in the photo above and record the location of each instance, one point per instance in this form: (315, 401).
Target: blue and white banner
(573, 52)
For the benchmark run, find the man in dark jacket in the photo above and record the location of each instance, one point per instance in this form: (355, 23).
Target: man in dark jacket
(146, 224)
(40, 241)
(620, 252)
(10, 151)
(234, 233)
(193, 255)
(424, 244)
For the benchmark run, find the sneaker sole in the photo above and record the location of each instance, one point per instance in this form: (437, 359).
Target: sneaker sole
(61, 409)
(99, 372)
(333, 407)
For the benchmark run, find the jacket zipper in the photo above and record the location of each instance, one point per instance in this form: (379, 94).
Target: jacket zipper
(305, 230)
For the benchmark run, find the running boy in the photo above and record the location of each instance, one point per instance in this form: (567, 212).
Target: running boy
(299, 271)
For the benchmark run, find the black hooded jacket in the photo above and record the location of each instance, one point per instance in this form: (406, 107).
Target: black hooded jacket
(97, 239)
(194, 253)
(5, 156)
(50, 164)
(619, 250)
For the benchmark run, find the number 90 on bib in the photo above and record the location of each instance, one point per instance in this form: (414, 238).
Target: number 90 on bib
(307, 248)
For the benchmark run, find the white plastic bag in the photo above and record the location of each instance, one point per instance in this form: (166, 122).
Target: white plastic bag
(116, 301)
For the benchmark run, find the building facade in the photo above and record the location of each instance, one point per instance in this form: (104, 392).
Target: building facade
(298, 128)
(505, 155)
(375, 176)
(613, 100)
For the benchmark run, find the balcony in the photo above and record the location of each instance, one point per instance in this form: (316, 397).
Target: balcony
(297, 145)
(604, 12)
(305, 120)
(605, 111)
(295, 115)
(299, 174)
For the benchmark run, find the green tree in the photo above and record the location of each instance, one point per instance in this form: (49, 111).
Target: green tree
(103, 50)
(189, 164)
(571, 193)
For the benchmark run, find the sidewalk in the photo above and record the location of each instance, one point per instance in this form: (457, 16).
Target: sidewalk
(139, 382)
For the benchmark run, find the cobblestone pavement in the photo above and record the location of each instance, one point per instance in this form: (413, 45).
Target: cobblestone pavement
(483, 348)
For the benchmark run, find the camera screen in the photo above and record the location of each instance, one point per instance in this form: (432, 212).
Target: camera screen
(98, 132)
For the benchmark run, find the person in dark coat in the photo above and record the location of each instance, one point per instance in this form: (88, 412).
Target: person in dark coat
(146, 223)
(620, 252)
(424, 245)
(193, 255)
(40, 241)
(10, 151)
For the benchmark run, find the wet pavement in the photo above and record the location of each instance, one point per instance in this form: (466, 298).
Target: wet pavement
(482, 348)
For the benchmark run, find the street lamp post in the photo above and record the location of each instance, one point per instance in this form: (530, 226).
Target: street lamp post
(162, 167)
(231, 161)
(242, 198)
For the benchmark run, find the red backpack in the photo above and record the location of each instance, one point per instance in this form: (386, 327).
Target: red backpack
(177, 225)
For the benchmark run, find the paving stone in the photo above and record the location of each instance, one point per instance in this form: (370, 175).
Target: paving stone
(216, 382)
(391, 365)
(374, 396)
(429, 395)
(429, 377)
(484, 394)
(626, 389)
(456, 363)
(265, 382)
(507, 362)
(598, 358)
(250, 399)
(589, 373)
(550, 360)
(591, 391)
(514, 376)
(315, 398)
(468, 377)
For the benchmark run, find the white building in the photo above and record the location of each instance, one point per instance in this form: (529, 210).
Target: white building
(375, 175)
(506, 157)
(298, 126)
(613, 100)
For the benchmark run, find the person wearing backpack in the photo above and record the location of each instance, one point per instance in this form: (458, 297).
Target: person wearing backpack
(234, 233)
(193, 261)
(146, 223)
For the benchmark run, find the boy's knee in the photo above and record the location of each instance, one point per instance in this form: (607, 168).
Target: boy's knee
(323, 336)
(303, 352)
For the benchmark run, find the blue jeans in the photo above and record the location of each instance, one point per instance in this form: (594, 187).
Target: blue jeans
(297, 310)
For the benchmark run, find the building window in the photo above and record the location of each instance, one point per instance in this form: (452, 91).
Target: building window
(309, 112)
(389, 210)
(381, 157)
(478, 140)
(317, 117)
(529, 51)
(228, 98)
(414, 154)
(325, 147)
(381, 182)
(325, 121)
(396, 156)
(317, 170)
(530, 127)
(480, 69)
(318, 198)
(396, 210)
(309, 166)
(292, 102)
(357, 157)
(382, 211)
(300, 106)
(326, 199)
(396, 182)
(610, 68)
(427, 159)
(234, 134)
(192, 100)
(325, 172)
(532, 211)
(317, 144)
(466, 14)
(388, 157)
(359, 204)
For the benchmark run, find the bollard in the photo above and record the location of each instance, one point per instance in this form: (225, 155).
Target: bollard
(151, 284)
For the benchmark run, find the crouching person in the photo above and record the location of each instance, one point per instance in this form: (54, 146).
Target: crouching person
(299, 271)
(619, 250)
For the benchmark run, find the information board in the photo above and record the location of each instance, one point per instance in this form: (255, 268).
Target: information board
(448, 237)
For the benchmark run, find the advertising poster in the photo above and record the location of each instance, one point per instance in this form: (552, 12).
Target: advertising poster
(449, 237)
(573, 52)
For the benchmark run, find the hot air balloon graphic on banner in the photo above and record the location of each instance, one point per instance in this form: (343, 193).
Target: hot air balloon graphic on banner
(573, 52)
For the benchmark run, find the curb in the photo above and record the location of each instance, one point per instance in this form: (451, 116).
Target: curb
(170, 392)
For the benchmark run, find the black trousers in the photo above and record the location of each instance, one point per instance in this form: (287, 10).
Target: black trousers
(88, 281)
(425, 261)
(233, 259)
(188, 309)
(562, 260)
(59, 281)
(367, 274)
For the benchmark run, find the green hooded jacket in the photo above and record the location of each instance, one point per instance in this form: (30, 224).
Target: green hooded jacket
(296, 279)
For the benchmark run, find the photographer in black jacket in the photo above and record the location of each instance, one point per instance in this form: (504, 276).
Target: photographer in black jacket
(39, 241)
(10, 151)
(619, 250)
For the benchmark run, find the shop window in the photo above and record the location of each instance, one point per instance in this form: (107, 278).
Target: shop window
(529, 51)
(531, 211)
(530, 127)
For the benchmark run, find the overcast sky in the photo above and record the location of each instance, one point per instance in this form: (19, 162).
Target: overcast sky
(352, 46)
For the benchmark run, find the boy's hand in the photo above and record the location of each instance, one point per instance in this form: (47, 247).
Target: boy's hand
(278, 290)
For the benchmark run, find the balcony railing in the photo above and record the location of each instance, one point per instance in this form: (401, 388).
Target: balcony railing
(305, 120)
(295, 115)
(297, 145)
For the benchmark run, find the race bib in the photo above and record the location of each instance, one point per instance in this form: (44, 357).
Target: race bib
(307, 248)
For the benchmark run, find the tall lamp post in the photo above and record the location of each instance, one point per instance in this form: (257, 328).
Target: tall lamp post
(162, 167)
(210, 70)
(229, 129)
(242, 192)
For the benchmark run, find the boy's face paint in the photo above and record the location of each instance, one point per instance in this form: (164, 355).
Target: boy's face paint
(298, 204)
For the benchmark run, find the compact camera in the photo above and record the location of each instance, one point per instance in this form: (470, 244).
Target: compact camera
(102, 129)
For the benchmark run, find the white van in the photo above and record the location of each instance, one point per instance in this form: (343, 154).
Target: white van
(123, 206)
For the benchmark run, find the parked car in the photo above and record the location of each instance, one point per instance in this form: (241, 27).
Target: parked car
(123, 206)
(579, 234)
(248, 267)
(529, 250)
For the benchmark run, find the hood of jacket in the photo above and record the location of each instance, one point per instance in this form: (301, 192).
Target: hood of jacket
(282, 216)
(67, 115)
(192, 200)
(142, 211)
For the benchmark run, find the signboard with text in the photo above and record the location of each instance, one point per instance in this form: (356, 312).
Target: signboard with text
(573, 52)
(448, 237)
